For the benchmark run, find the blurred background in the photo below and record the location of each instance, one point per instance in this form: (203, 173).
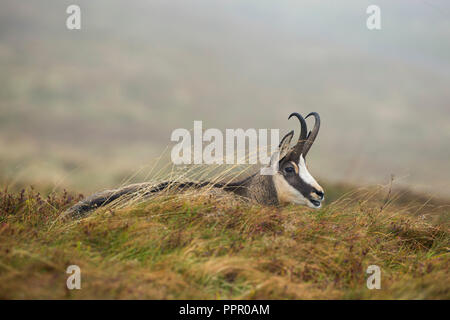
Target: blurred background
(86, 109)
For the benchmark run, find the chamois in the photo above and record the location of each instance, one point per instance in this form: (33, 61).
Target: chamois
(289, 181)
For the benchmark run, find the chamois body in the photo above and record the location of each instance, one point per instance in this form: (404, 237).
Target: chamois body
(290, 181)
(259, 188)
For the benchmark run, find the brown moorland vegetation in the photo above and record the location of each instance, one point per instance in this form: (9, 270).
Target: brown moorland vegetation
(188, 246)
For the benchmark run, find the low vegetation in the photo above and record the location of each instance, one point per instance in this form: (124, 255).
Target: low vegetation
(214, 246)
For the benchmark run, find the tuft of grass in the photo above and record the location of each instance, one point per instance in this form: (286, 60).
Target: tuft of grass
(211, 246)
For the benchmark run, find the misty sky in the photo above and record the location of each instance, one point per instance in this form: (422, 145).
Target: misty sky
(140, 69)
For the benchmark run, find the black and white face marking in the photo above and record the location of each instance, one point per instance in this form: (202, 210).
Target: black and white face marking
(295, 184)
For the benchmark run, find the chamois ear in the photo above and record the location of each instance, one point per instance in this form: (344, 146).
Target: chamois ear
(273, 164)
(283, 148)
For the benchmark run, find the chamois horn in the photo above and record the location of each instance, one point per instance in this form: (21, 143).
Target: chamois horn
(298, 148)
(312, 134)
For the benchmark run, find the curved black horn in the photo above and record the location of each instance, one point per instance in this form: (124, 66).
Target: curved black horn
(297, 150)
(312, 134)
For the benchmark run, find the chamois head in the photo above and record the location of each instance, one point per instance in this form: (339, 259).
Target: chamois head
(293, 182)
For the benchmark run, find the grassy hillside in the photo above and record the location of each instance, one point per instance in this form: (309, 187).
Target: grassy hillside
(219, 247)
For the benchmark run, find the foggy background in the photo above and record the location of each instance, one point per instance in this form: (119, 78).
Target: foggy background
(86, 109)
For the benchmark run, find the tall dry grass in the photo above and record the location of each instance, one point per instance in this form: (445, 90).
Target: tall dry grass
(214, 246)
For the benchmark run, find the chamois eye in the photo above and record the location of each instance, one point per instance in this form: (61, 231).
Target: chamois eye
(289, 169)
